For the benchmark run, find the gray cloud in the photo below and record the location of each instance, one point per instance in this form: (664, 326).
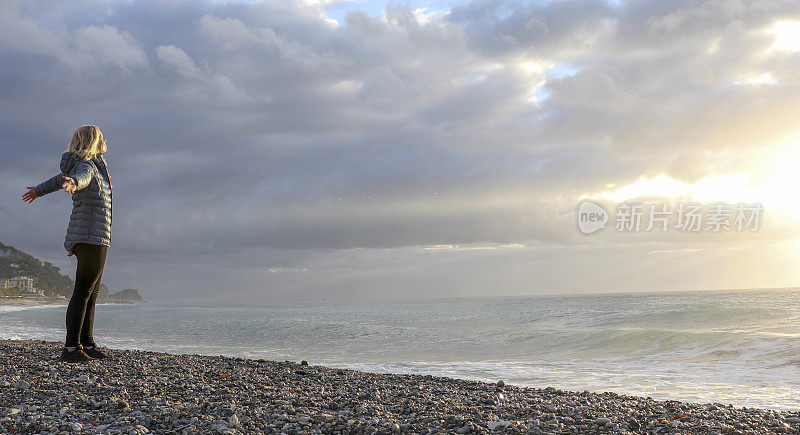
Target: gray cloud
(261, 130)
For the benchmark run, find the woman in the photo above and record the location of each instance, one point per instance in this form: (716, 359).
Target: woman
(85, 175)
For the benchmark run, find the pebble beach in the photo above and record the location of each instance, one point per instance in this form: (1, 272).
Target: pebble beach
(135, 392)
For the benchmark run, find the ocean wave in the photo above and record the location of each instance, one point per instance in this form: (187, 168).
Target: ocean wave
(13, 308)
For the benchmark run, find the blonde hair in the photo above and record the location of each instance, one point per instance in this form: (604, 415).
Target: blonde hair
(85, 141)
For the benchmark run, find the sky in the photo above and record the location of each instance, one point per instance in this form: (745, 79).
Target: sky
(344, 150)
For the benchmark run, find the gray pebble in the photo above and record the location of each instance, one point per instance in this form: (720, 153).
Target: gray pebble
(184, 394)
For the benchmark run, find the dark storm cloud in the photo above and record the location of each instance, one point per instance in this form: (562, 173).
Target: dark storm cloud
(264, 127)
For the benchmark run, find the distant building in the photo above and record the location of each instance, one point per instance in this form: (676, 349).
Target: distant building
(24, 283)
(14, 265)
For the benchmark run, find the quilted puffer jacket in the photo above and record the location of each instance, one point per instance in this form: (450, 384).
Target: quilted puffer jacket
(90, 221)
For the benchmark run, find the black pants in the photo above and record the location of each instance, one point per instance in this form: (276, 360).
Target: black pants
(80, 311)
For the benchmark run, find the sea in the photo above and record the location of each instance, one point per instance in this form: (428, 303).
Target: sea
(738, 347)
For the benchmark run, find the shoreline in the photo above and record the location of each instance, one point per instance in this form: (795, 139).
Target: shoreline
(31, 302)
(146, 391)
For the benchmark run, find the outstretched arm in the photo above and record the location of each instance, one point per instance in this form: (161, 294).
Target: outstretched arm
(79, 179)
(59, 181)
(51, 185)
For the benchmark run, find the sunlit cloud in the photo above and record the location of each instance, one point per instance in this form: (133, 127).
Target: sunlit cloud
(775, 187)
(734, 187)
(424, 16)
(787, 36)
(470, 247)
(287, 269)
(763, 79)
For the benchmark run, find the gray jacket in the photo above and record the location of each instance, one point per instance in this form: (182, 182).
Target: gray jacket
(90, 221)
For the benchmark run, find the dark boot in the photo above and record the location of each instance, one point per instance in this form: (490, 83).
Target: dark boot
(94, 352)
(76, 355)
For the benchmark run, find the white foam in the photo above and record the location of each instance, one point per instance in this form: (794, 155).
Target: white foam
(12, 308)
(679, 382)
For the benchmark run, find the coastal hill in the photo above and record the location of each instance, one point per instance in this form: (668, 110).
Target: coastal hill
(48, 277)
(127, 295)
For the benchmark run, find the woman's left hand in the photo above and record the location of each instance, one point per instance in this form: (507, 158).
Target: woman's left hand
(30, 195)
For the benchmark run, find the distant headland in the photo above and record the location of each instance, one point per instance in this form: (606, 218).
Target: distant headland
(27, 280)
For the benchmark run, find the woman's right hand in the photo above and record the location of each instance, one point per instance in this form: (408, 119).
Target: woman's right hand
(30, 195)
(69, 184)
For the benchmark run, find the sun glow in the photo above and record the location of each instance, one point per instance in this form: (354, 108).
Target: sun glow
(734, 187)
(787, 36)
(773, 184)
(763, 79)
(781, 181)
